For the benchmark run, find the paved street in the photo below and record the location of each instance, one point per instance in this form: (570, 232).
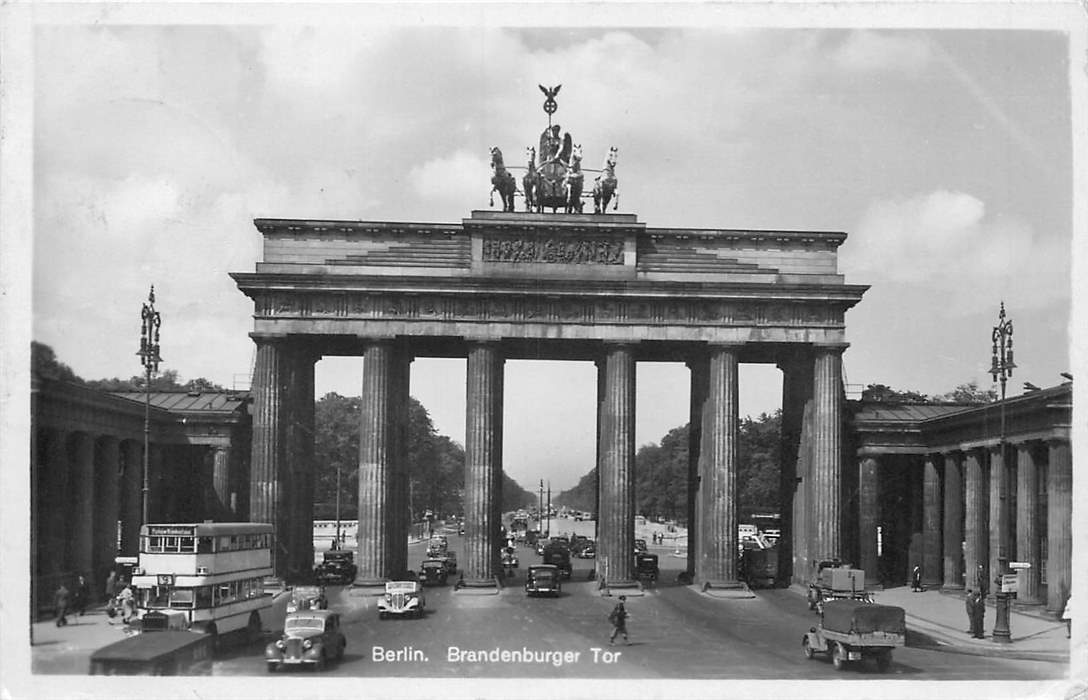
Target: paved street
(676, 632)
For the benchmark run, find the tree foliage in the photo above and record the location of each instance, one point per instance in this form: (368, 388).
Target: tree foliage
(885, 394)
(969, 393)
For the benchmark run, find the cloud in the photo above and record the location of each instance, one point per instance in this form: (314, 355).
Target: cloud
(870, 52)
(946, 243)
(459, 177)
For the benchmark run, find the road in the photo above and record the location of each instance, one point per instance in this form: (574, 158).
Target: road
(675, 633)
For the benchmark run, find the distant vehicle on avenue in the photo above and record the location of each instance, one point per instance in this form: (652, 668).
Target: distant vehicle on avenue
(834, 580)
(543, 579)
(337, 567)
(646, 568)
(558, 554)
(433, 572)
(640, 546)
(402, 598)
(310, 638)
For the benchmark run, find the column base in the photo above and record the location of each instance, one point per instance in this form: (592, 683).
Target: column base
(952, 587)
(491, 586)
(631, 589)
(726, 589)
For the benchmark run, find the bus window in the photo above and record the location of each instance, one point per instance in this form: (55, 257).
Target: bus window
(155, 597)
(181, 598)
(204, 545)
(204, 597)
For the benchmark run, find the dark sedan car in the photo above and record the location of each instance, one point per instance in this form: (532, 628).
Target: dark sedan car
(338, 566)
(310, 638)
(433, 571)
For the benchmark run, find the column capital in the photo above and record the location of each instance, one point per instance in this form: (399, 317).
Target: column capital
(830, 347)
(1057, 441)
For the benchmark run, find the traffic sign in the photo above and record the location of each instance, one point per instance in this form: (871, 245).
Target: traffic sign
(1019, 564)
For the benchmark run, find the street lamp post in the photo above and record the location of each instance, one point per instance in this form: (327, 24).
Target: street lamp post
(150, 359)
(1001, 368)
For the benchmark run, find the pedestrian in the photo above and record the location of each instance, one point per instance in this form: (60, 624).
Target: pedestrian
(982, 584)
(128, 603)
(1067, 615)
(969, 605)
(916, 579)
(978, 630)
(82, 595)
(111, 585)
(60, 605)
(618, 618)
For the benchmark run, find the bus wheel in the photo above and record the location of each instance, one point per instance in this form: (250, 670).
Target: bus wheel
(253, 628)
(209, 629)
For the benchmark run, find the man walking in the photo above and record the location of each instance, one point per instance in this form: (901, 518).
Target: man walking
(618, 618)
(60, 605)
(82, 595)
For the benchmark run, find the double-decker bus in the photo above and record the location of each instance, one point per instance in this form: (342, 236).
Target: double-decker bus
(212, 573)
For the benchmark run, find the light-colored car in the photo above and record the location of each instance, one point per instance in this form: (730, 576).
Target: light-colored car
(402, 598)
(310, 638)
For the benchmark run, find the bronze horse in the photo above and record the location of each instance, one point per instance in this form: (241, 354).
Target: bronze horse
(572, 181)
(531, 181)
(502, 181)
(605, 184)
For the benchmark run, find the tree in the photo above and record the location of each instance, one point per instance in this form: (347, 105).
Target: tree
(969, 393)
(885, 394)
(44, 363)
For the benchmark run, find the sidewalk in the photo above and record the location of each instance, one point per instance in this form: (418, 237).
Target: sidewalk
(940, 619)
(68, 649)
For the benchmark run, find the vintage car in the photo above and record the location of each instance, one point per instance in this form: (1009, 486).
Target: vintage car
(509, 558)
(450, 560)
(307, 598)
(433, 571)
(402, 598)
(852, 630)
(587, 549)
(541, 543)
(337, 567)
(542, 579)
(646, 568)
(640, 546)
(310, 638)
(557, 554)
(759, 567)
(834, 580)
(436, 548)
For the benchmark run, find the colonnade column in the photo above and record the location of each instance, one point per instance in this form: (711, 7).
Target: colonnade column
(975, 558)
(267, 497)
(52, 512)
(132, 454)
(931, 523)
(953, 522)
(615, 548)
(107, 502)
(825, 512)
(221, 480)
(869, 518)
(81, 541)
(1059, 495)
(376, 455)
(699, 370)
(796, 394)
(401, 516)
(718, 470)
(483, 463)
(999, 514)
(1027, 533)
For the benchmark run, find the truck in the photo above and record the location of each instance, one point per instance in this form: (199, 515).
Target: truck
(852, 630)
(558, 554)
(759, 567)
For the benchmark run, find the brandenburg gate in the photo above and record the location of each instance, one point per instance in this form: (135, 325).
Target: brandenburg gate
(505, 285)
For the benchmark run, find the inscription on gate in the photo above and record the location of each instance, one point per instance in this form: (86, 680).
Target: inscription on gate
(584, 251)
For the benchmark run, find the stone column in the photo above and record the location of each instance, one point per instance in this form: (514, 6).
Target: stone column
(976, 517)
(825, 519)
(132, 454)
(107, 502)
(267, 500)
(699, 372)
(1027, 513)
(1059, 496)
(84, 505)
(796, 393)
(998, 520)
(869, 518)
(718, 469)
(931, 523)
(298, 516)
(483, 463)
(953, 522)
(52, 512)
(376, 455)
(615, 548)
(401, 517)
(221, 480)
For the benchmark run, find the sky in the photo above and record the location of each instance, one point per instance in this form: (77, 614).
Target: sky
(944, 154)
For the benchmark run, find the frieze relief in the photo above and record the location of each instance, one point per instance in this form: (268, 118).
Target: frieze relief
(554, 310)
(585, 251)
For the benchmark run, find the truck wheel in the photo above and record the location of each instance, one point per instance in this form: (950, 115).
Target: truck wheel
(838, 656)
(884, 661)
(806, 647)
